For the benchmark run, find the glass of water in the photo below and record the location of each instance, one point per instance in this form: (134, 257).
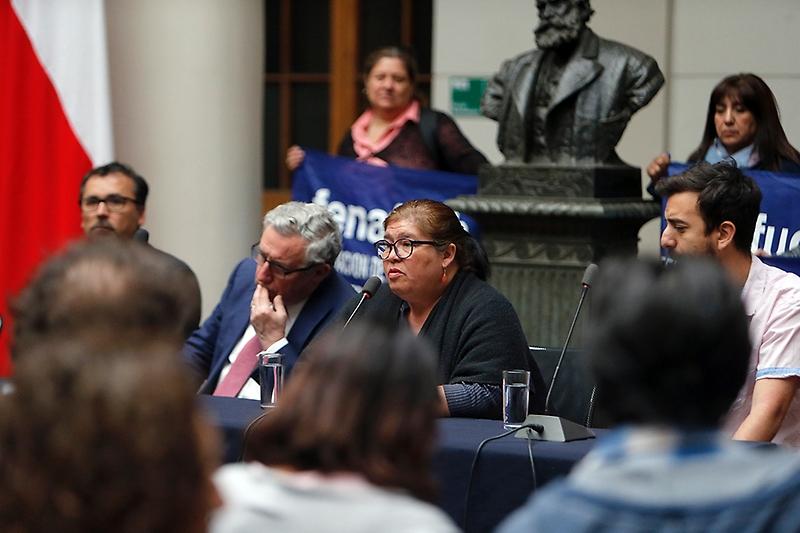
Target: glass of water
(270, 374)
(516, 389)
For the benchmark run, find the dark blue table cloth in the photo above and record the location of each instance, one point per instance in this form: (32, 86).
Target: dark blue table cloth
(502, 480)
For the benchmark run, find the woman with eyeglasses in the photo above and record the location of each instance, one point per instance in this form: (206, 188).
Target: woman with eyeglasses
(742, 122)
(436, 287)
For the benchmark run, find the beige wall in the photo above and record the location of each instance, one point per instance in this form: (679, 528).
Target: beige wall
(186, 90)
(696, 43)
(714, 38)
(186, 81)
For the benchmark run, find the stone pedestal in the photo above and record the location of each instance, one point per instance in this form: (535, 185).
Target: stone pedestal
(541, 227)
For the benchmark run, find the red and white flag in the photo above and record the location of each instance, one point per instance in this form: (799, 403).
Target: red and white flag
(55, 125)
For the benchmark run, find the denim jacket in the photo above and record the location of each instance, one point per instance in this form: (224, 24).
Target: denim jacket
(644, 480)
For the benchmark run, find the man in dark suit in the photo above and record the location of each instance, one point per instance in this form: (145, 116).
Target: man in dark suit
(277, 300)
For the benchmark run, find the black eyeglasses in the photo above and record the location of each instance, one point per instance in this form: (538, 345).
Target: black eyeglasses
(403, 248)
(114, 202)
(276, 268)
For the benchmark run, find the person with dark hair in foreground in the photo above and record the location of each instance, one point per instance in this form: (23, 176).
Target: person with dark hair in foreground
(348, 447)
(436, 287)
(670, 351)
(117, 284)
(104, 439)
(711, 210)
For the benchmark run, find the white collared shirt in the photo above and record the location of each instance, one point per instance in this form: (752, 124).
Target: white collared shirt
(771, 300)
(252, 390)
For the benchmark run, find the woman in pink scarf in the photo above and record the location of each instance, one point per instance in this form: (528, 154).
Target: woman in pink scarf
(396, 129)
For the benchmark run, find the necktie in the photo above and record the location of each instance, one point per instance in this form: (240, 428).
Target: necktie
(240, 370)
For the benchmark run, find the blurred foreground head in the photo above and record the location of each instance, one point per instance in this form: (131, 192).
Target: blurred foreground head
(363, 401)
(103, 440)
(670, 345)
(109, 290)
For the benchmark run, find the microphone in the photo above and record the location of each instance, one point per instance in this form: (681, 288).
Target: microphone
(141, 235)
(588, 275)
(586, 284)
(556, 428)
(367, 291)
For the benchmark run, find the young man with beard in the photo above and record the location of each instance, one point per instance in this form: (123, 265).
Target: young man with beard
(569, 100)
(711, 210)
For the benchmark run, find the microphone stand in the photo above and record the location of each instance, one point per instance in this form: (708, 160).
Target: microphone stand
(555, 428)
(584, 290)
(364, 296)
(370, 287)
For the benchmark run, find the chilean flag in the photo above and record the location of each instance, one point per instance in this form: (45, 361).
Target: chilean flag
(55, 125)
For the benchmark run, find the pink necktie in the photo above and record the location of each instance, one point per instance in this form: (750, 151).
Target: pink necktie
(240, 371)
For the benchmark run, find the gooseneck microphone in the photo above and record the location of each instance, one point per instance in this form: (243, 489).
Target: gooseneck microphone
(367, 291)
(556, 428)
(586, 284)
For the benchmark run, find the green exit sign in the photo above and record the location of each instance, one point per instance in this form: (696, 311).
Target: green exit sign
(465, 95)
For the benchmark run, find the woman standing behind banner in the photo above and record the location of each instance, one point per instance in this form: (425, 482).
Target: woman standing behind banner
(742, 122)
(396, 129)
(436, 274)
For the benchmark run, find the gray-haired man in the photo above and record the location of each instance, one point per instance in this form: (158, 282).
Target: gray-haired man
(277, 300)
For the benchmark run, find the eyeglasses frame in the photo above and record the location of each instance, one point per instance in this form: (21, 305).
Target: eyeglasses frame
(104, 200)
(393, 246)
(260, 260)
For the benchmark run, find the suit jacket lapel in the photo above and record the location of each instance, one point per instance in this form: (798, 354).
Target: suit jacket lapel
(232, 329)
(314, 311)
(525, 81)
(240, 319)
(581, 70)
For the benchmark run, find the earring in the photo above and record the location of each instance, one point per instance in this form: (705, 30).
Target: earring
(444, 274)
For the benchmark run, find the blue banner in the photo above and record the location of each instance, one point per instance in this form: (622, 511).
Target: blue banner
(778, 224)
(359, 196)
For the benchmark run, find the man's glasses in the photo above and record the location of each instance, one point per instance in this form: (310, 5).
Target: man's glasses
(276, 268)
(114, 202)
(403, 248)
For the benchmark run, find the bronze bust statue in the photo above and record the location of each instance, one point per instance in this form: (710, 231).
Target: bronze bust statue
(567, 102)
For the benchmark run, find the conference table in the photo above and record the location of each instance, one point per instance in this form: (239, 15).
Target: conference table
(502, 479)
